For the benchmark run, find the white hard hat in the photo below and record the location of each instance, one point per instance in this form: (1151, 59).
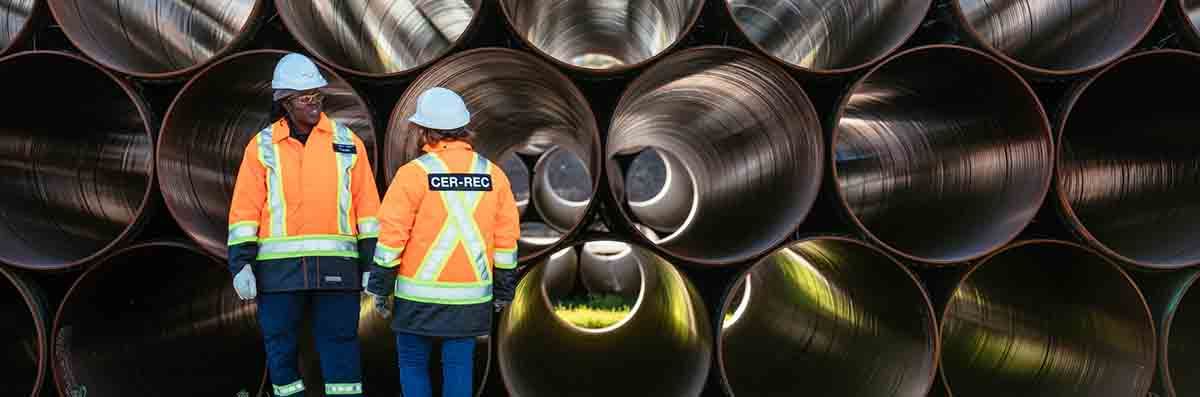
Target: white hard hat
(297, 72)
(441, 109)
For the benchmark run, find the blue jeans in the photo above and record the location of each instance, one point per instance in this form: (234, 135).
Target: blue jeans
(457, 365)
(335, 331)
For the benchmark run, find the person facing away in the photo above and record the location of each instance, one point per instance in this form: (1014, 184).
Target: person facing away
(302, 231)
(447, 250)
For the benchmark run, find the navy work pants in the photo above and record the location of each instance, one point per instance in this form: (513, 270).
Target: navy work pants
(457, 365)
(335, 330)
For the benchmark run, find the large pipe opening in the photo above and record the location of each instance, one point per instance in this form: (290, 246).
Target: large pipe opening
(941, 154)
(828, 37)
(77, 169)
(1047, 318)
(16, 23)
(662, 347)
(832, 317)
(1127, 169)
(156, 38)
(25, 348)
(134, 325)
(378, 38)
(522, 107)
(741, 143)
(1057, 37)
(602, 35)
(1179, 362)
(206, 131)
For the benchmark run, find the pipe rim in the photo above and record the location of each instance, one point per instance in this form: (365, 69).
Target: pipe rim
(39, 324)
(1164, 342)
(831, 153)
(21, 35)
(134, 227)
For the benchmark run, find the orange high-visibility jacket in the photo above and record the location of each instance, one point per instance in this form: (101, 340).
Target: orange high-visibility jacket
(447, 220)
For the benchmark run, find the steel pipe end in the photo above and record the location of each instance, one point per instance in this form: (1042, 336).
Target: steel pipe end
(610, 268)
(660, 190)
(19, 20)
(1047, 318)
(1126, 168)
(519, 104)
(1057, 37)
(519, 177)
(602, 37)
(665, 341)
(562, 269)
(743, 134)
(156, 39)
(831, 316)
(79, 167)
(828, 37)
(206, 130)
(154, 317)
(1179, 366)
(379, 39)
(941, 141)
(26, 348)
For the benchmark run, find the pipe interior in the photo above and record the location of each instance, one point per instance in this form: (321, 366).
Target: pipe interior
(664, 345)
(1191, 10)
(23, 350)
(77, 169)
(942, 142)
(136, 326)
(155, 37)
(832, 317)
(1128, 169)
(15, 15)
(378, 37)
(602, 34)
(1183, 367)
(746, 138)
(562, 190)
(205, 133)
(1047, 318)
(824, 36)
(519, 177)
(1059, 35)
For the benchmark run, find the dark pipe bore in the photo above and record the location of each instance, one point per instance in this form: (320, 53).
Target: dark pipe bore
(1178, 343)
(24, 312)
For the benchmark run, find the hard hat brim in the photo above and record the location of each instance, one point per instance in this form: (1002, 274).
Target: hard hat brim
(418, 120)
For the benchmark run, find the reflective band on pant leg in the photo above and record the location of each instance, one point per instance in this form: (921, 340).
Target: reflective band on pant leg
(335, 389)
(289, 389)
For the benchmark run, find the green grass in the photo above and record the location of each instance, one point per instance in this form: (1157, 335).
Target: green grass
(593, 312)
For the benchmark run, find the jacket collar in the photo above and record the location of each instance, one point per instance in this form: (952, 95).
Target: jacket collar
(281, 131)
(447, 145)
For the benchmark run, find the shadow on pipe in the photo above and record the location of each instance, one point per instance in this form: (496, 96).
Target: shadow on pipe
(602, 36)
(740, 132)
(662, 348)
(25, 349)
(828, 36)
(16, 23)
(206, 131)
(378, 38)
(156, 39)
(1128, 173)
(562, 270)
(1057, 37)
(832, 317)
(941, 141)
(154, 319)
(76, 161)
(1047, 318)
(1178, 365)
(1186, 16)
(520, 106)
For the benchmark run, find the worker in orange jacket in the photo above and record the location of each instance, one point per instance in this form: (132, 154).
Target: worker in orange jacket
(447, 248)
(302, 231)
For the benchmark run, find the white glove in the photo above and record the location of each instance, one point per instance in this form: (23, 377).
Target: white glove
(245, 284)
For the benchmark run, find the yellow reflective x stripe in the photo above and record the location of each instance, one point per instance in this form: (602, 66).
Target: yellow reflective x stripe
(345, 161)
(336, 389)
(268, 154)
(460, 224)
(386, 256)
(293, 247)
(368, 227)
(289, 389)
(243, 232)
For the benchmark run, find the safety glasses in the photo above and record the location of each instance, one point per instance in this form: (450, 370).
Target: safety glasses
(315, 98)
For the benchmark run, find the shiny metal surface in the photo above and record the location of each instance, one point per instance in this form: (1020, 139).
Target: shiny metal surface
(15, 18)
(562, 270)
(77, 168)
(207, 128)
(746, 135)
(828, 36)
(942, 154)
(24, 312)
(378, 38)
(154, 319)
(519, 177)
(660, 191)
(662, 348)
(1127, 168)
(831, 317)
(562, 190)
(610, 268)
(1047, 318)
(601, 35)
(1057, 36)
(1178, 342)
(519, 104)
(156, 38)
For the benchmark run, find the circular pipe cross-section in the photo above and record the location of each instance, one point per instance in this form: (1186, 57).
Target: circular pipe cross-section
(1057, 37)
(155, 319)
(740, 131)
(562, 269)
(16, 23)
(562, 190)
(1178, 364)
(378, 38)
(156, 39)
(1047, 318)
(941, 154)
(1128, 173)
(207, 128)
(662, 347)
(610, 268)
(602, 36)
(79, 167)
(828, 36)
(25, 349)
(832, 317)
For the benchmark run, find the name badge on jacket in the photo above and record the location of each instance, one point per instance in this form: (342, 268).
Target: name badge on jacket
(460, 182)
(344, 148)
